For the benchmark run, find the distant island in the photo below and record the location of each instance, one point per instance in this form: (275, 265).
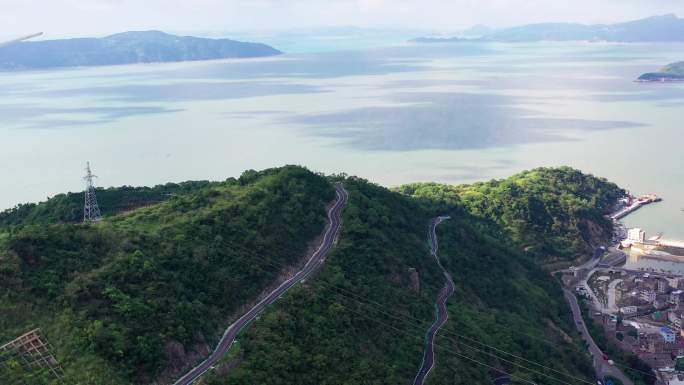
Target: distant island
(670, 73)
(125, 48)
(666, 28)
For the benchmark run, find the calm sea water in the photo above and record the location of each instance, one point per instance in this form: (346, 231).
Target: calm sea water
(449, 113)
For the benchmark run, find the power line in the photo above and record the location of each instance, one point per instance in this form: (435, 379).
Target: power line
(419, 323)
(447, 349)
(405, 319)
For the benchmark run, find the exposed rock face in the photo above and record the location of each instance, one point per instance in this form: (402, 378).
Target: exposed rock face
(179, 360)
(414, 278)
(174, 352)
(594, 233)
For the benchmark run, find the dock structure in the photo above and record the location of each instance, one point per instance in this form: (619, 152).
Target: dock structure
(633, 205)
(671, 243)
(33, 351)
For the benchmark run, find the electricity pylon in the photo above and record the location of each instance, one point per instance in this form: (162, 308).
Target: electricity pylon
(91, 212)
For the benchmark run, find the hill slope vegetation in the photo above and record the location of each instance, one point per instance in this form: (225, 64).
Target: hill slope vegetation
(127, 292)
(552, 213)
(146, 292)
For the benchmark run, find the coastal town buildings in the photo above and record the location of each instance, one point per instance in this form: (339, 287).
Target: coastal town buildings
(628, 311)
(675, 319)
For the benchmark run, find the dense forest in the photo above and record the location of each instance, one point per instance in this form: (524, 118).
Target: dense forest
(133, 299)
(116, 298)
(69, 207)
(363, 320)
(549, 212)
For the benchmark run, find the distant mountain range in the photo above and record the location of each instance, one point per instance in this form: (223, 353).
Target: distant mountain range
(125, 48)
(666, 28)
(670, 73)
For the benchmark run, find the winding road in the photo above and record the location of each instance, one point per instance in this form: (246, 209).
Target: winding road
(601, 367)
(314, 262)
(442, 315)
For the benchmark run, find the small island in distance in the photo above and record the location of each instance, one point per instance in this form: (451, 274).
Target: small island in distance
(673, 72)
(125, 48)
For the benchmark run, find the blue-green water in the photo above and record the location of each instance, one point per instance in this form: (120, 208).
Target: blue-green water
(448, 113)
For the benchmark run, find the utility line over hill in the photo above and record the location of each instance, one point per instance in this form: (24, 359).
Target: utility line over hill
(314, 262)
(477, 352)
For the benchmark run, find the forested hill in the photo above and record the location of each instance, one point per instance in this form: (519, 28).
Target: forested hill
(125, 48)
(549, 212)
(363, 319)
(68, 208)
(146, 292)
(125, 300)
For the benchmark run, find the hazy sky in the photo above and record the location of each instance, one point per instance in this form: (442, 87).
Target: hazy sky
(96, 17)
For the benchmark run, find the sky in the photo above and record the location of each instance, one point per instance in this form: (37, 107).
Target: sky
(59, 18)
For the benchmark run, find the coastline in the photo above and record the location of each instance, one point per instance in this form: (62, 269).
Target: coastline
(654, 248)
(660, 80)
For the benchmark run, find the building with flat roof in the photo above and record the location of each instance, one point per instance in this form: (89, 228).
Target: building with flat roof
(663, 286)
(636, 235)
(629, 310)
(668, 334)
(648, 295)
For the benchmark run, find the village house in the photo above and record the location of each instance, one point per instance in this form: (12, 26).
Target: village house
(663, 286)
(648, 295)
(628, 311)
(661, 301)
(675, 318)
(669, 336)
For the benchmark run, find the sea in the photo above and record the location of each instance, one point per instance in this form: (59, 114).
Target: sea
(387, 110)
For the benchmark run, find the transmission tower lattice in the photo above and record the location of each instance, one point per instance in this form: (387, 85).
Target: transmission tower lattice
(91, 212)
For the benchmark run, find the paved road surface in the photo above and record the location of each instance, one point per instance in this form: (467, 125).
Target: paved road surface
(442, 315)
(315, 261)
(612, 306)
(600, 365)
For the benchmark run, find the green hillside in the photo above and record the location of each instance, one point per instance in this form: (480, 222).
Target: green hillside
(362, 322)
(549, 212)
(112, 297)
(69, 207)
(128, 301)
